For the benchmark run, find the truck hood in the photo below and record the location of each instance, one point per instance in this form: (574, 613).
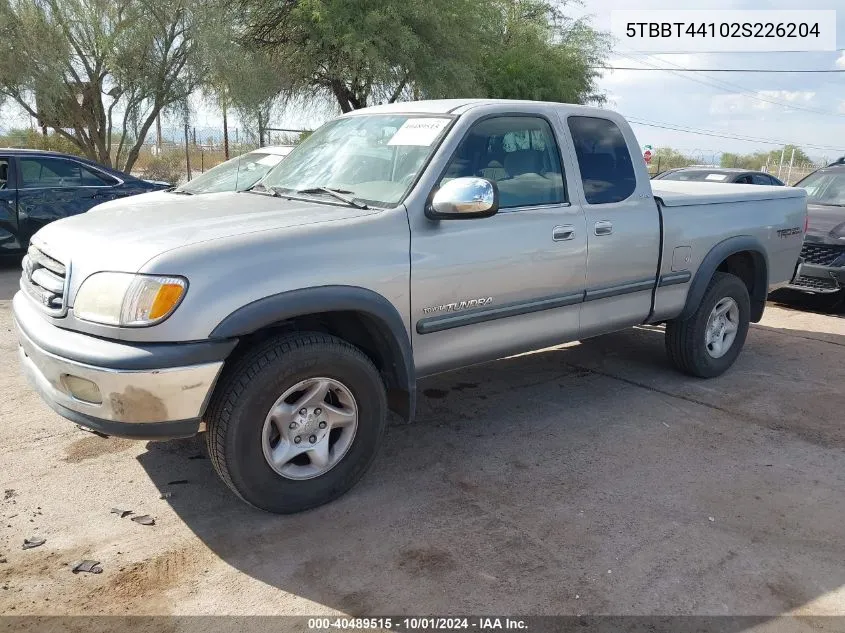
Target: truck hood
(125, 234)
(822, 219)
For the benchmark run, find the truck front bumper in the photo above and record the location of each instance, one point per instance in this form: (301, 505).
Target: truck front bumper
(818, 279)
(150, 391)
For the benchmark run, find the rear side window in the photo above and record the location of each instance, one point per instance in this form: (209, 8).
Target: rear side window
(94, 178)
(607, 170)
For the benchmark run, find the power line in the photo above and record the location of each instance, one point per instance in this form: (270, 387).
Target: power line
(736, 137)
(837, 50)
(731, 88)
(722, 70)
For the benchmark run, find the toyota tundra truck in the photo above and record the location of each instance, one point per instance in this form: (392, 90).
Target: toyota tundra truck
(396, 242)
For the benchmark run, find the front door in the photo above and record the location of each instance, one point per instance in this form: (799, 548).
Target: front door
(484, 288)
(623, 227)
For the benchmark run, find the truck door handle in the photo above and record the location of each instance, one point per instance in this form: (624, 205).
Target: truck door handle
(561, 233)
(604, 228)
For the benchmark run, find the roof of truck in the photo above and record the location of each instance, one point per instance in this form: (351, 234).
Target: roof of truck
(459, 106)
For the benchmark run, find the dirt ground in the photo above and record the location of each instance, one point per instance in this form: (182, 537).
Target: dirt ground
(587, 479)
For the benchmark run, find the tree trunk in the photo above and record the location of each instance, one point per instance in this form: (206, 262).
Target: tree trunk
(260, 130)
(225, 134)
(158, 134)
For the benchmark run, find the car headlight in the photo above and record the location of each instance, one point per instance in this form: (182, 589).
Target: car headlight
(128, 300)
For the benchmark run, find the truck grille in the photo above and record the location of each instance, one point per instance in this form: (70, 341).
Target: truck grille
(821, 254)
(816, 284)
(43, 279)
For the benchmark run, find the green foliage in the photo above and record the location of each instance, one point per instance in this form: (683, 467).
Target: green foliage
(669, 158)
(758, 160)
(372, 51)
(536, 52)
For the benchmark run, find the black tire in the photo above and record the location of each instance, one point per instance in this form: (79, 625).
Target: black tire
(248, 389)
(685, 340)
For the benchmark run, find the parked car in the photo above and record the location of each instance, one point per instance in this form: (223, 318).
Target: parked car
(822, 269)
(38, 187)
(720, 174)
(290, 318)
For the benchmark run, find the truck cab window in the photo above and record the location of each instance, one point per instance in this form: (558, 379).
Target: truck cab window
(518, 153)
(603, 158)
(4, 173)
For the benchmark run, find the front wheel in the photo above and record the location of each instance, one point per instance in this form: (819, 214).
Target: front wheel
(708, 343)
(296, 421)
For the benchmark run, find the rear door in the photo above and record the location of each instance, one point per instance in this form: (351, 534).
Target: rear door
(623, 225)
(9, 241)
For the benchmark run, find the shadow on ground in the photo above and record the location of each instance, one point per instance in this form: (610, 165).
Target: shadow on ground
(589, 479)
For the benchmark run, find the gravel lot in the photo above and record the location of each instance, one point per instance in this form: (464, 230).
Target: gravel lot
(586, 479)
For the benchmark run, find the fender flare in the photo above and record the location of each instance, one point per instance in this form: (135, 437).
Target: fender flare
(286, 305)
(716, 256)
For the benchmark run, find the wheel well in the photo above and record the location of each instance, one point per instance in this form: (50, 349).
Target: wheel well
(359, 329)
(750, 267)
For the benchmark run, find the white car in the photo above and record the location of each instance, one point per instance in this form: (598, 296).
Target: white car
(238, 173)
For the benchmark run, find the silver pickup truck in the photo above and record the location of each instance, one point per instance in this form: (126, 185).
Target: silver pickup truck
(396, 242)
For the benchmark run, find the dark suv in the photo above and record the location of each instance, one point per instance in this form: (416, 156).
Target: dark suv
(822, 269)
(37, 187)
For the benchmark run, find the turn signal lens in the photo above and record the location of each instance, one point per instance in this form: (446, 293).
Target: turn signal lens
(166, 299)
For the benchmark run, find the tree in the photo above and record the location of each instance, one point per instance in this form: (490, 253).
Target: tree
(758, 160)
(372, 51)
(239, 77)
(669, 158)
(536, 52)
(99, 71)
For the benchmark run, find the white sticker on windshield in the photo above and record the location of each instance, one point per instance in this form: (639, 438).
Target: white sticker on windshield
(418, 132)
(270, 159)
(715, 177)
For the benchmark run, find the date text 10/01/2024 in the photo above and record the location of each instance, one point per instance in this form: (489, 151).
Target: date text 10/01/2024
(418, 624)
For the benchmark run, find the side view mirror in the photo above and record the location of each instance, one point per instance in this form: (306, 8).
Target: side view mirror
(464, 198)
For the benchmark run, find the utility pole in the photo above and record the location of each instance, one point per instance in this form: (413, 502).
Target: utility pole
(225, 133)
(187, 152)
(789, 173)
(780, 164)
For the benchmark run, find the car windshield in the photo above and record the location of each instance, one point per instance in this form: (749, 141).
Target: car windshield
(373, 158)
(825, 187)
(236, 174)
(711, 176)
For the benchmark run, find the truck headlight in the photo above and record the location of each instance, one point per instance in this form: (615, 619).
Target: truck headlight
(128, 300)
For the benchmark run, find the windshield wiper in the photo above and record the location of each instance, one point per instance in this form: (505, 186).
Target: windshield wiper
(337, 193)
(263, 190)
(182, 192)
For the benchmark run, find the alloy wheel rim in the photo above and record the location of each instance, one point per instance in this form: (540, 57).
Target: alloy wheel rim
(310, 428)
(722, 327)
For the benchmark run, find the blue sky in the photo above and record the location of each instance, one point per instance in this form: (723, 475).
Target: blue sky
(733, 107)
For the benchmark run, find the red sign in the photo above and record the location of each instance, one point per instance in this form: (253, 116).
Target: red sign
(647, 156)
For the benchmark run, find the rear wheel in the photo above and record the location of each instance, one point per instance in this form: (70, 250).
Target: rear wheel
(296, 421)
(708, 343)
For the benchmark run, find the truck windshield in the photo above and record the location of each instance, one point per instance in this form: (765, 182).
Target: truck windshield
(374, 158)
(825, 187)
